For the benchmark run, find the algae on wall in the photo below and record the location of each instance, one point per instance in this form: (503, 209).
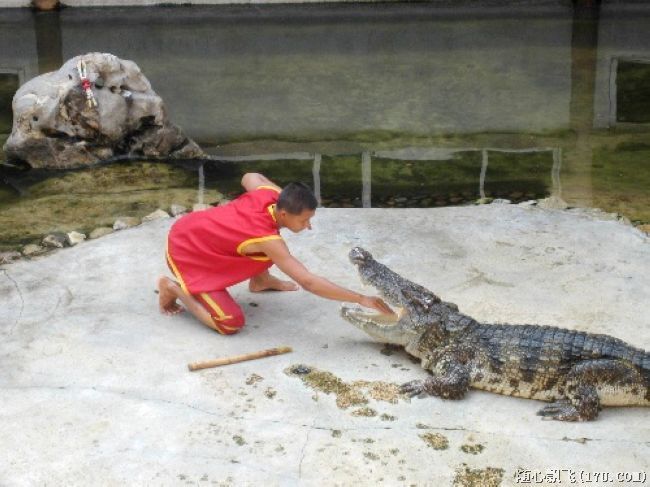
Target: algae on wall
(87, 199)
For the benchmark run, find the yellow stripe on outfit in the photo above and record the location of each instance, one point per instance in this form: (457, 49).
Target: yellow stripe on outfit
(271, 210)
(176, 271)
(220, 314)
(255, 240)
(269, 187)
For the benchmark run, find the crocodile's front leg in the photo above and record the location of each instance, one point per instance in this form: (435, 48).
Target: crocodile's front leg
(450, 379)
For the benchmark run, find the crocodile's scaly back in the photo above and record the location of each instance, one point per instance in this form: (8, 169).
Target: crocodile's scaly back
(532, 361)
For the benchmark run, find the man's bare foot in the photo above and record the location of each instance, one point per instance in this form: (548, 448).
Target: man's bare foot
(167, 296)
(270, 283)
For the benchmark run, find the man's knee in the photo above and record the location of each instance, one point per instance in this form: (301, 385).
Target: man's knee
(229, 325)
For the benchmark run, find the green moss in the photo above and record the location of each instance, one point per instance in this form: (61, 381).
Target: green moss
(85, 200)
(473, 449)
(620, 182)
(616, 178)
(435, 441)
(371, 456)
(347, 395)
(487, 477)
(366, 412)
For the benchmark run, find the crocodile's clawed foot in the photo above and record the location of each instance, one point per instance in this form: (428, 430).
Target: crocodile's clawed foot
(560, 411)
(413, 388)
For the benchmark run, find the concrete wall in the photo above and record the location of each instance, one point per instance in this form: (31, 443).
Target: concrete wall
(18, 53)
(310, 71)
(123, 3)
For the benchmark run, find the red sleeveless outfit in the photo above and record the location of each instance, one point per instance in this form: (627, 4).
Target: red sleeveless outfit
(205, 251)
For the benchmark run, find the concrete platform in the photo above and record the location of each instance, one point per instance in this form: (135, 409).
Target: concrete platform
(96, 390)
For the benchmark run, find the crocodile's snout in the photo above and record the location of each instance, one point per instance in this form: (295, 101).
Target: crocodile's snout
(359, 256)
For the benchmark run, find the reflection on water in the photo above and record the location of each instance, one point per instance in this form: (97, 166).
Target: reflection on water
(376, 105)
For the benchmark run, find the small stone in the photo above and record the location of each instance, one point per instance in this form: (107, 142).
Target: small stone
(100, 232)
(270, 392)
(56, 240)
(177, 210)
(501, 201)
(528, 203)
(7, 257)
(644, 228)
(32, 249)
(75, 238)
(200, 207)
(124, 222)
(553, 203)
(336, 433)
(156, 215)
(624, 219)
(300, 369)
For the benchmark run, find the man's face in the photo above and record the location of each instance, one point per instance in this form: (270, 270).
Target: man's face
(297, 223)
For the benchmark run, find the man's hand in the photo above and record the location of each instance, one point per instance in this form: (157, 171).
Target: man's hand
(376, 303)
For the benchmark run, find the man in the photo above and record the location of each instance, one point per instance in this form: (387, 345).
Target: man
(211, 250)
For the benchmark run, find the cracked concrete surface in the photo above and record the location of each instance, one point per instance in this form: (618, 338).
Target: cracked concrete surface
(96, 391)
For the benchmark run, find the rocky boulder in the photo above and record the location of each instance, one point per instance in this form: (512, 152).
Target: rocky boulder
(55, 126)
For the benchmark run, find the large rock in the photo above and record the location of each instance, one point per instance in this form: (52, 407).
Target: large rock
(55, 128)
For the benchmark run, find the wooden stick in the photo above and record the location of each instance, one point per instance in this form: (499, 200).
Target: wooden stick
(238, 358)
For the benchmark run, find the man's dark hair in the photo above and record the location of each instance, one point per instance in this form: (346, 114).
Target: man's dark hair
(297, 197)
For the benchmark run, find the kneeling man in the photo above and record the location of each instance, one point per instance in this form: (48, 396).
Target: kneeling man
(210, 250)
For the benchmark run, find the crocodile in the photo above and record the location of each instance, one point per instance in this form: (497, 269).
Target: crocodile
(576, 372)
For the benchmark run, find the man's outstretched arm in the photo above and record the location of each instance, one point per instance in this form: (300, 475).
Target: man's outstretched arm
(278, 252)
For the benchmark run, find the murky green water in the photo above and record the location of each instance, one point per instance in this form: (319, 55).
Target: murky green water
(374, 105)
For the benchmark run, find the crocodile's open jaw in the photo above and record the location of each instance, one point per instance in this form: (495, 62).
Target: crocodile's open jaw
(383, 327)
(389, 328)
(362, 315)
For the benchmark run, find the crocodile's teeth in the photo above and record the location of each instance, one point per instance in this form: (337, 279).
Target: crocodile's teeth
(376, 317)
